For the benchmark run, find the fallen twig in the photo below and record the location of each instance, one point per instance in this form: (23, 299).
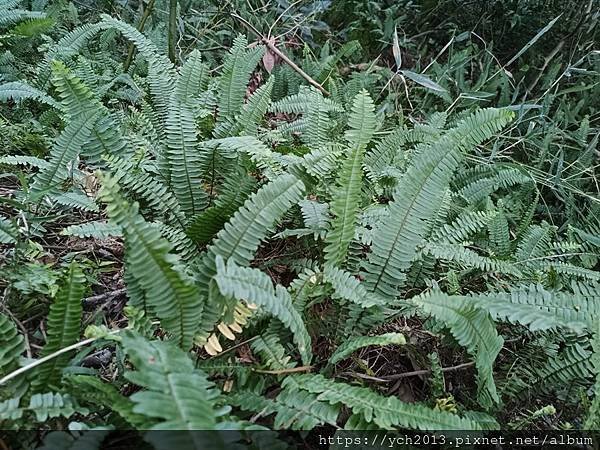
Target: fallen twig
(282, 55)
(414, 373)
(284, 371)
(398, 376)
(37, 362)
(95, 300)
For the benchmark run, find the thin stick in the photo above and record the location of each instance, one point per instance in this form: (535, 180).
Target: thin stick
(364, 377)
(281, 15)
(37, 362)
(94, 300)
(426, 371)
(388, 378)
(283, 371)
(172, 36)
(279, 53)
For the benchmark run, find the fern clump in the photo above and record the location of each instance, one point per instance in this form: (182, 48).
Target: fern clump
(230, 240)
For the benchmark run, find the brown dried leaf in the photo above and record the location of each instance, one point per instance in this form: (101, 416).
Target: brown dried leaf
(268, 61)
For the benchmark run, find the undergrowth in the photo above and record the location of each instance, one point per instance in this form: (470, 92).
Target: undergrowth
(205, 240)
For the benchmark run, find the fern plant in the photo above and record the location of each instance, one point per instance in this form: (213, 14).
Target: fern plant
(273, 240)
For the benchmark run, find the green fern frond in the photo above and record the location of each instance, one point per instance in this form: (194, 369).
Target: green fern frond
(96, 230)
(90, 389)
(384, 152)
(527, 216)
(305, 286)
(502, 177)
(315, 123)
(344, 208)
(10, 410)
(300, 410)
(499, 234)
(241, 236)
(9, 4)
(145, 186)
(266, 159)
(193, 79)
(23, 160)
(461, 228)
(271, 352)
(315, 216)
(246, 229)
(356, 343)
(346, 286)
(63, 329)
(13, 345)
(385, 412)
(70, 44)
(320, 163)
(76, 200)
(468, 258)
(255, 109)
(43, 406)
(184, 159)
(182, 244)
(76, 97)
(234, 77)
(106, 139)
(345, 203)
(33, 27)
(175, 394)
(533, 245)
(573, 363)
(473, 329)
(570, 269)
(9, 233)
(235, 190)
(438, 120)
(303, 101)
(18, 91)
(16, 15)
(168, 292)
(63, 152)
(358, 321)
(418, 198)
(252, 285)
(538, 308)
(246, 122)
(362, 122)
(161, 73)
(592, 421)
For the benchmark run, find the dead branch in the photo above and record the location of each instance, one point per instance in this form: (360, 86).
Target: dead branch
(279, 53)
